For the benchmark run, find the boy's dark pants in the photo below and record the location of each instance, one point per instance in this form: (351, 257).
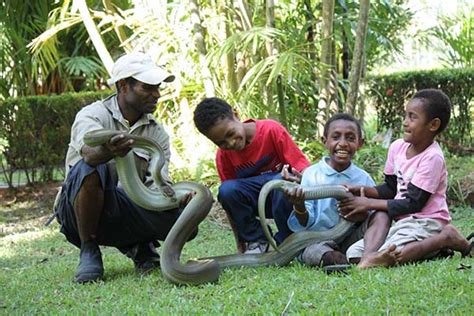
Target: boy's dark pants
(123, 223)
(239, 197)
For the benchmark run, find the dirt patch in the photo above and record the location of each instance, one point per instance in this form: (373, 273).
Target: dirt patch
(26, 208)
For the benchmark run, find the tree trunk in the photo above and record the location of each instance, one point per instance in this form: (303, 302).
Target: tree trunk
(310, 33)
(270, 48)
(230, 73)
(325, 96)
(356, 68)
(201, 48)
(94, 34)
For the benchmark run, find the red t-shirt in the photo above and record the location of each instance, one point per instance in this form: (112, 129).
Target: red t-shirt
(270, 149)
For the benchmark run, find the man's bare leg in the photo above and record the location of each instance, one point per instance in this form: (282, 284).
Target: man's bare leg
(384, 258)
(449, 237)
(88, 208)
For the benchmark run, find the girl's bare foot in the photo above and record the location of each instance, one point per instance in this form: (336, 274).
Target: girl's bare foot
(385, 258)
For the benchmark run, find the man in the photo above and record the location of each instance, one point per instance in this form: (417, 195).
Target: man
(92, 208)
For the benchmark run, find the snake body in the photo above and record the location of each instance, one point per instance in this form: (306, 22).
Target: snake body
(206, 270)
(320, 192)
(139, 193)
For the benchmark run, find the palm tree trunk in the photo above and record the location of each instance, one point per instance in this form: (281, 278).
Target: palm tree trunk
(201, 48)
(325, 96)
(94, 34)
(356, 68)
(230, 72)
(270, 48)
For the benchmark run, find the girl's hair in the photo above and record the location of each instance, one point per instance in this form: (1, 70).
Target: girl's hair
(209, 112)
(437, 105)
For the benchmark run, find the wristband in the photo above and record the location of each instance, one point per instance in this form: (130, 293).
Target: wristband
(300, 213)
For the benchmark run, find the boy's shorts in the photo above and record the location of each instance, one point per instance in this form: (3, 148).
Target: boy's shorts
(317, 250)
(123, 223)
(403, 232)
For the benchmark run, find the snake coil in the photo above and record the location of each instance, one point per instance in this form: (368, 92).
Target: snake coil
(206, 270)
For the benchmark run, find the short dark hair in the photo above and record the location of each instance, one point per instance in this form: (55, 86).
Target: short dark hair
(210, 111)
(437, 105)
(130, 80)
(345, 117)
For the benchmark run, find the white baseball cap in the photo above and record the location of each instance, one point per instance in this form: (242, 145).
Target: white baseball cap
(141, 67)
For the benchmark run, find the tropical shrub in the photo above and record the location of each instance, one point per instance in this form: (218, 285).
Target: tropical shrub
(391, 92)
(36, 131)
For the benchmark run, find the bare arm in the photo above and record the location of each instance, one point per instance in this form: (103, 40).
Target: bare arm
(295, 196)
(118, 145)
(360, 205)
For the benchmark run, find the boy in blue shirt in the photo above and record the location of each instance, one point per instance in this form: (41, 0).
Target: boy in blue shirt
(342, 137)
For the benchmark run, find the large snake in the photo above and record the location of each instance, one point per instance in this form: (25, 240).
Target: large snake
(206, 270)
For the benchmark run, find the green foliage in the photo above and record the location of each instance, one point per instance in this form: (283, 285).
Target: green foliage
(457, 33)
(460, 180)
(391, 92)
(371, 157)
(387, 22)
(295, 58)
(37, 131)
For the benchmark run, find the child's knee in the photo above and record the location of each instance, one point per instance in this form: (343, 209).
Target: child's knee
(227, 190)
(380, 219)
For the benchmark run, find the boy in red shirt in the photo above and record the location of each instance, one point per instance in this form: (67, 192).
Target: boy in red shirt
(250, 154)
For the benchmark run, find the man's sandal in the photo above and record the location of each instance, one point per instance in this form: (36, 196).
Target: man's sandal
(336, 268)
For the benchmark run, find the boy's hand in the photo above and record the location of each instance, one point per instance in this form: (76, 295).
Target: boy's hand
(354, 189)
(290, 175)
(295, 196)
(354, 209)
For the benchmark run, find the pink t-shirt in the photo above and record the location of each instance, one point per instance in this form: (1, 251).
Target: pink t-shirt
(427, 171)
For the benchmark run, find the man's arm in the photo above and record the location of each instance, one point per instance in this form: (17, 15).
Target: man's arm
(118, 145)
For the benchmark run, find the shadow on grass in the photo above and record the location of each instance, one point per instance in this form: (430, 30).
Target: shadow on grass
(37, 267)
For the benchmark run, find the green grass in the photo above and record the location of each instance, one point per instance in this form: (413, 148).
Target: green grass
(37, 266)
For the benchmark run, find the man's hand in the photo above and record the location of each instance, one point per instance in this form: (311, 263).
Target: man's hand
(354, 209)
(119, 145)
(290, 175)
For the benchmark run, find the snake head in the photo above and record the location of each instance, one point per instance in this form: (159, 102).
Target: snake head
(167, 190)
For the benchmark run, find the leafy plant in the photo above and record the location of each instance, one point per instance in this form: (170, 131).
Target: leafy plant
(457, 33)
(390, 93)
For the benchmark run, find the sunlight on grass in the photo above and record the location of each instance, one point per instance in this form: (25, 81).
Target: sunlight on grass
(40, 266)
(8, 243)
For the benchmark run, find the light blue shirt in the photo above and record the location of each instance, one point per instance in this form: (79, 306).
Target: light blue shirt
(322, 213)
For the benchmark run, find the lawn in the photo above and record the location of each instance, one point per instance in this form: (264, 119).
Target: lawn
(37, 266)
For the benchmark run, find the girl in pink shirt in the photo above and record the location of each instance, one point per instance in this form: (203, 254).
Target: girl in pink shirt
(413, 194)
